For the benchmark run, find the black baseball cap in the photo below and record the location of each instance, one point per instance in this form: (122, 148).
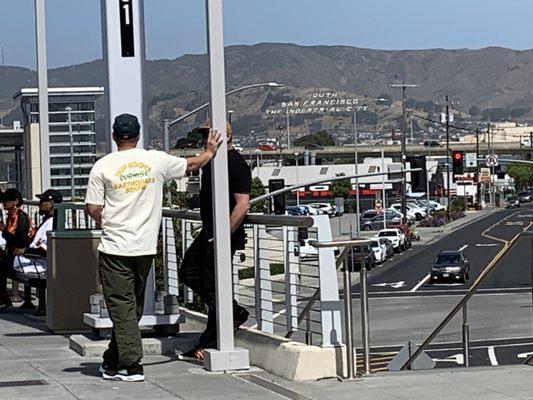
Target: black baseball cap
(126, 126)
(50, 194)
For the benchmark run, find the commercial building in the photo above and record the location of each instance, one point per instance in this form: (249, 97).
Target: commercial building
(11, 156)
(83, 122)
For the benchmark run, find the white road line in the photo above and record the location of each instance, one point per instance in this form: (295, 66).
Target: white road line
(492, 355)
(419, 284)
(464, 247)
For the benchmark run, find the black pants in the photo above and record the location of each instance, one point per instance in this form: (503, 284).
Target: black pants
(124, 282)
(198, 273)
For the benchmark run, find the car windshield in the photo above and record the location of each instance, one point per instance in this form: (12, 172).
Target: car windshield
(387, 233)
(375, 245)
(448, 259)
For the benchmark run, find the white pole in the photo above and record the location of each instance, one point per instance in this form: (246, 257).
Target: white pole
(42, 76)
(383, 188)
(288, 131)
(72, 182)
(297, 181)
(123, 48)
(226, 357)
(356, 162)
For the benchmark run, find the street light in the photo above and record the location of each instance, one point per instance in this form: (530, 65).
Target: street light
(168, 123)
(357, 210)
(251, 138)
(297, 180)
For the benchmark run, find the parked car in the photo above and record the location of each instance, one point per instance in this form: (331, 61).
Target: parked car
(296, 210)
(389, 248)
(324, 208)
(376, 223)
(395, 236)
(361, 254)
(367, 215)
(306, 251)
(418, 210)
(432, 143)
(450, 265)
(524, 197)
(380, 252)
(406, 233)
(410, 213)
(512, 202)
(311, 210)
(266, 147)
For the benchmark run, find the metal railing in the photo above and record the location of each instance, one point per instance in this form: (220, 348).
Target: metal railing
(282, 280)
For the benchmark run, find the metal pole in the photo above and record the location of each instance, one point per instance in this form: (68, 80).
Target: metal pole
(72, 182)
(348, 322)
(466, 337)
(357, 206)
(477, 170)
(42, 76)
(297, 181)
(404, 156)
(448, 161)
(288, 132)
(226, 357)
(384, 208)
(166, 147)
(531, 266)
(364, 319)
(251, 135)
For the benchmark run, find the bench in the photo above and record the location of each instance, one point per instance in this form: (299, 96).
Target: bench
(31, 279)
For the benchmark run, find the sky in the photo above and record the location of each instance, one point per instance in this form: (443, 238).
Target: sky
(177, 27)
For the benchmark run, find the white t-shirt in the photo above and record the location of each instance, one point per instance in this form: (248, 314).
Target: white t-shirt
(129, 184)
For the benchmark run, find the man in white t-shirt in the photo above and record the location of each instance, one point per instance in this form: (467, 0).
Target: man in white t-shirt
(125, 197)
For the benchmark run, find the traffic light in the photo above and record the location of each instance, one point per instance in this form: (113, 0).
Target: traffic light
(457, 162)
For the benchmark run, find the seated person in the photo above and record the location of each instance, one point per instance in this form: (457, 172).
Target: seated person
(16, 232)
(31, 260)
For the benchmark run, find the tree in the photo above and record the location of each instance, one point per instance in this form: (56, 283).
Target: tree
(321, 138)
(341, 188)
(474, 111)
(257, 190)
(522, 174)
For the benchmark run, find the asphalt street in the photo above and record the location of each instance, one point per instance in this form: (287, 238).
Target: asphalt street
(480, 240)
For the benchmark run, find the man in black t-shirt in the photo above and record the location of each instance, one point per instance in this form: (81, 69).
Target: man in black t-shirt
(197, 269)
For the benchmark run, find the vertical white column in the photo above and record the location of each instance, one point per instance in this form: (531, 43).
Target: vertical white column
(226, 357)
(124, 57)
(42, 76)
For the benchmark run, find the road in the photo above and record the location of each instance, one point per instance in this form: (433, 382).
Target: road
(404, 306)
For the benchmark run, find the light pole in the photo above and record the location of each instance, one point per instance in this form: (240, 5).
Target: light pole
(356, 162)
(404, 86)
(168, 123)
(428, 175)
(288, 131)
(251, 138)
(72, 182)
(297, 179)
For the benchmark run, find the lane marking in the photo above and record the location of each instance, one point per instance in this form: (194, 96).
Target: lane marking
(525, 355)
(394, 285)
(487, 244)
(456, 358)
(422, 282)
(492, 355)
(464, 247)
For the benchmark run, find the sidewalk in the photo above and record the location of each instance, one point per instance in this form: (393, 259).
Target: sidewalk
(35, 364)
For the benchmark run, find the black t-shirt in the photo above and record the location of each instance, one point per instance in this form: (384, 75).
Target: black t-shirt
(240, 181)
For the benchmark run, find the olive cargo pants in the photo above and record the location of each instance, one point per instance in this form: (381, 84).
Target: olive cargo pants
(124, 282)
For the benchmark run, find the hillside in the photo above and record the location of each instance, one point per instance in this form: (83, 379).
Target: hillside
(487, 78)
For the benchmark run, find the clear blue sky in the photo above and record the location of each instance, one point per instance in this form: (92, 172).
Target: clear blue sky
(176, 27)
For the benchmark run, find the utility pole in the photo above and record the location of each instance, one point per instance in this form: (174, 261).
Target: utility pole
(448, 158)
(478, 197)
(403, 86)
(288, 132)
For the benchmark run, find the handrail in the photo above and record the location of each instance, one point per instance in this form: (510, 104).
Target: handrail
(488, 269)
(265, 196)
(255, 219)
(341, 242)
